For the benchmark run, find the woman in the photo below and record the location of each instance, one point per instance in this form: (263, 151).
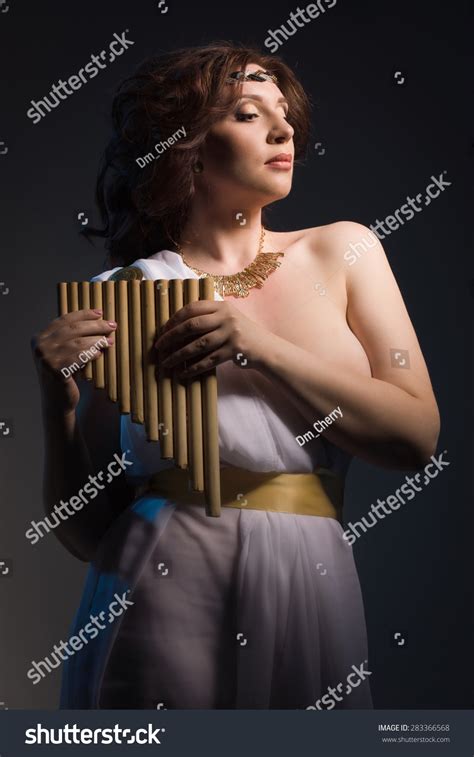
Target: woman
(260, 608)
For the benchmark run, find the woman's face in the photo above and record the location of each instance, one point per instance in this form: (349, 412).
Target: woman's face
(238, 149)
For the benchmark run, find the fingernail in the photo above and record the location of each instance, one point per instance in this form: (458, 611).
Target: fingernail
(99, 312)
(112, 324)
(110, 339)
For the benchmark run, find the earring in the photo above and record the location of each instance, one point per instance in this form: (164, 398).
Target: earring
(198, 167)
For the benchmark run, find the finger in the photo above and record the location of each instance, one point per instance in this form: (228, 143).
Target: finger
(95, 351)
(195, 350)
(91, 343)
(78, 360)
(198, 307)
(81, 315)
(86, 349)
(87, 328)
(189, 329)
(203, 365)
(68, 318)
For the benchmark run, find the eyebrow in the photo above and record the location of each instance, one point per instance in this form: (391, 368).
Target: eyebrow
(261, 99)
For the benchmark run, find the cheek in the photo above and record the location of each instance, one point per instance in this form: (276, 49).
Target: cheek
(232, 154)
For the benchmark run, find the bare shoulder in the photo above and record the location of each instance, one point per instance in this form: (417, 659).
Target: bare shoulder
(340, 237)
(333, 240)
(340, 231)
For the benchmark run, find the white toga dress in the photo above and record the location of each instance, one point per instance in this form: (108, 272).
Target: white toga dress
(255, 609)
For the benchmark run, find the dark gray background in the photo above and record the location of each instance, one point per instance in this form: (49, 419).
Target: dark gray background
(382, 141)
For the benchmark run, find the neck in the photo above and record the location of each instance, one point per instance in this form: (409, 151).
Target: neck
(219, 241)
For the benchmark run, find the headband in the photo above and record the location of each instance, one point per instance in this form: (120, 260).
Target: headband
(259, 75)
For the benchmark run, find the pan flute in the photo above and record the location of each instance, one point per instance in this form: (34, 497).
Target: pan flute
(182, 416)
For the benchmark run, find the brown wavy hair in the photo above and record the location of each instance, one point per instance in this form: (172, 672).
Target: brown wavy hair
(144, 210)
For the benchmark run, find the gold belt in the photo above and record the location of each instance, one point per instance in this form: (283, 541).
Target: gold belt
(318, 493)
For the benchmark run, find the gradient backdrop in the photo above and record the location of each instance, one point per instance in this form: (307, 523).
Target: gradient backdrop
(376, 139)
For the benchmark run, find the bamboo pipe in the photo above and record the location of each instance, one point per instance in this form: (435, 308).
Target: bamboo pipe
(180, 449)
(194, 403)
(149, 372)
(210, 424)
(164, 384)
(85, 304)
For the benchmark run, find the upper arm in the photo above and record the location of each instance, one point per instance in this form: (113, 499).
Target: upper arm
(377, 315)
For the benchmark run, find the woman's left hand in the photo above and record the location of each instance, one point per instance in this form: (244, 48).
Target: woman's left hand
(207, 333)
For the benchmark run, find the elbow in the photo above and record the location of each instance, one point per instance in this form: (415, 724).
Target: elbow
(83, 552)
(412, 446)
(86, 557)
(421, 456)
(423, 447)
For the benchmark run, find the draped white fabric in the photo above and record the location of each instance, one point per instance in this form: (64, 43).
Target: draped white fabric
(287, 583)
(257, 424)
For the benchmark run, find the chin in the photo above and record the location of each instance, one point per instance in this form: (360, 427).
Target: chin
(285, 192)
(277, 190)
(278, 193)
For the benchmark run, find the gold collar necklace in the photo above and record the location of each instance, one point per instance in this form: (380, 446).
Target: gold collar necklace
(239, 284)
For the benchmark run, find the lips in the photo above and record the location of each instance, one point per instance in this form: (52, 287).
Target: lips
(282, 157)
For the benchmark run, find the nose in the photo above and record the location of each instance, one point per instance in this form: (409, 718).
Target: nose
(281, 131)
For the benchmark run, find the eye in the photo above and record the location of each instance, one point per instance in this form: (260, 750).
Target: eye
(246, 116)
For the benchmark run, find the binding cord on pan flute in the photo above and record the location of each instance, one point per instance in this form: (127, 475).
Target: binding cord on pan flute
(181, 416)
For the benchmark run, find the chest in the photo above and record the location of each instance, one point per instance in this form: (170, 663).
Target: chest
(306, 304)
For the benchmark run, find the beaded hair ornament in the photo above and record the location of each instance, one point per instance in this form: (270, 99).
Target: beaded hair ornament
(259, 75)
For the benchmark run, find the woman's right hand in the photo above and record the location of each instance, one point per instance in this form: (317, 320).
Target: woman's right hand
(57, 349)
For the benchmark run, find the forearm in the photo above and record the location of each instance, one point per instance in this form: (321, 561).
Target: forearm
(67, 468)
(380, 422)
